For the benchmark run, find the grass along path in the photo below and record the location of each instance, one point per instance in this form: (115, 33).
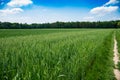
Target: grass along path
(116, 60)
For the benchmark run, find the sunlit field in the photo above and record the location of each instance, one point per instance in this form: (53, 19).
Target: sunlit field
(56, 54)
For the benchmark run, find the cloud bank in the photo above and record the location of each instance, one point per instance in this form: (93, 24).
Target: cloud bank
(14, 7)
(112, 2)
(106, 8)
(11, 11)
(19, 3)
(104, 11)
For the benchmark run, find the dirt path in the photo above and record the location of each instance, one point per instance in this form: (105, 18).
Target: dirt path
(116, 60)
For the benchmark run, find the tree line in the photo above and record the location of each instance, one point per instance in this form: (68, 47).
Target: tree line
(103, 24)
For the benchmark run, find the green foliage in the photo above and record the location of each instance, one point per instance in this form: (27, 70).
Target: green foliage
(118, 40)
(118, 24)
(103, 61)
(104, 24)
(53, 55)
(26, 32)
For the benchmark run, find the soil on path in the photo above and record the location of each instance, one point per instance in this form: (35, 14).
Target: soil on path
(116, 60)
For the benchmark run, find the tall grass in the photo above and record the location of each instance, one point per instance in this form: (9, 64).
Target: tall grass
(26, 32)
(65, 55)
(117, 33)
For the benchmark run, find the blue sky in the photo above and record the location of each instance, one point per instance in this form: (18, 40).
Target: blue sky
(43, 11)
(69, 3)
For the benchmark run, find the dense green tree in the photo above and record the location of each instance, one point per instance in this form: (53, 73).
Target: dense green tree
(104, 24)
(118, 24)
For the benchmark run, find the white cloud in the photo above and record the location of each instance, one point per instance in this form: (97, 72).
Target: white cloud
(104, 10)
(14, 6)
(11, 11)
(112, 2)
(19, 3)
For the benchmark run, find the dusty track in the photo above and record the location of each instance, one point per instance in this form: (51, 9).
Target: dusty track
(116, 60)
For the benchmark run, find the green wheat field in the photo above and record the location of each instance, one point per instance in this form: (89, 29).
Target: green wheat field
(57, 54)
